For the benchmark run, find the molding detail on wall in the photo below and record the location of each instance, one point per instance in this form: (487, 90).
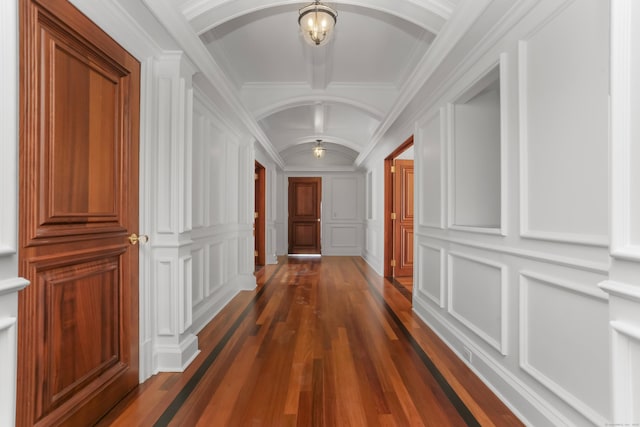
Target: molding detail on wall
(423, 248)
(500, 343)
(529, 406)
(526, 231)
(595, 267)
(582, 407)
(15, 284)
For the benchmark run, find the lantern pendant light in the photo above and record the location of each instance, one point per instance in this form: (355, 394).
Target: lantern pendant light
(318, 149)
(316, 22)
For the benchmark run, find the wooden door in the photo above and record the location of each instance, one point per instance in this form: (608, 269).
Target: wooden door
(79, 125)
(259, 214)
(403, 223)
(304, 215)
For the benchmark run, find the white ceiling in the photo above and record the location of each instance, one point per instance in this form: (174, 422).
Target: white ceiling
(289, 94)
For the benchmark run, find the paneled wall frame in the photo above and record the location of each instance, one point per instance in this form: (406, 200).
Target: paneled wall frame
(526, 229)
(439, 300)
(480, 75)
(565, 286)
(501, 344)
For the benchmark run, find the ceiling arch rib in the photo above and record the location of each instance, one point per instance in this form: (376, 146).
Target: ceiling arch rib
(338, 123)
(347, 146)
(288, 103)
(204, 15)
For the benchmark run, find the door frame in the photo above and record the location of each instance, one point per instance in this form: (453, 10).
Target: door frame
(288, 210)
(388, 205)
(260, 212)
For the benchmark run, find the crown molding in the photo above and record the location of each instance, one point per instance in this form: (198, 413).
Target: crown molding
(175, 22)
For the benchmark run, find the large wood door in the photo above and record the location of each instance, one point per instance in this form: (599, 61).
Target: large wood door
(403, 223)
(304, 215)
(79, 125)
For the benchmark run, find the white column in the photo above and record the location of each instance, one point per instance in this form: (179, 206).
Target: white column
(623, 285)
(174, 343)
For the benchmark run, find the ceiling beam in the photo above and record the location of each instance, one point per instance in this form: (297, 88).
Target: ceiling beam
(318, 118)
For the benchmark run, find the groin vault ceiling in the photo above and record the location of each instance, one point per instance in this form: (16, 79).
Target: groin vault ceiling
(289, 94)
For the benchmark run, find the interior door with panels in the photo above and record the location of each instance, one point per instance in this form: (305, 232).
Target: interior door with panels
(78, 321)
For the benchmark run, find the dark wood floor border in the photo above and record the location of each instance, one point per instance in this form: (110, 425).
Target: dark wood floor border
(453, 397)
(188, 388)
(401, 288)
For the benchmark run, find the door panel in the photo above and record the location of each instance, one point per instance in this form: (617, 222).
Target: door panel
(304, 215)
(78, 321)
(403, 207)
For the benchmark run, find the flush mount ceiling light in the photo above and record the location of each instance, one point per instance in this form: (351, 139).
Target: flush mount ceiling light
(316, 23)
(318, 149)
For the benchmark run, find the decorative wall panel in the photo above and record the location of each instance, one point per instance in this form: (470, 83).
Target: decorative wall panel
(477, 297)
(198, 259)
(431, 268)
(564, 126)
(344, 236)
(344, 198)
(564, 341)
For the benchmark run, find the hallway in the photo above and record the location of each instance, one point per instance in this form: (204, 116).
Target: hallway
(322, 341)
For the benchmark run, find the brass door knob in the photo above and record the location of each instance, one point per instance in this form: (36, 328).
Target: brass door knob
(134, 238)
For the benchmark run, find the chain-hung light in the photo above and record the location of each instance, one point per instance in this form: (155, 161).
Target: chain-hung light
(316, 22)
(318, 149)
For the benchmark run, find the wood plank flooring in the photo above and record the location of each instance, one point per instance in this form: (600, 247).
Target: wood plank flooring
(321, 342)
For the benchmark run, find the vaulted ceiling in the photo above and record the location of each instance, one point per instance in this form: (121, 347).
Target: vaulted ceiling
(346, 93)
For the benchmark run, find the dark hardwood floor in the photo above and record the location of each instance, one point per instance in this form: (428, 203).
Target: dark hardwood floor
(321, 342)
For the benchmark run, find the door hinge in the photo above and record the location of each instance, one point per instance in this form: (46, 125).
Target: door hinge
(255, 214)
(393, 169)
(393, 215)
(393, 263)
(255, 253)
(255, 176)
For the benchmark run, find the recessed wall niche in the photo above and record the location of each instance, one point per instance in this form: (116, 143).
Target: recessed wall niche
(475, 156)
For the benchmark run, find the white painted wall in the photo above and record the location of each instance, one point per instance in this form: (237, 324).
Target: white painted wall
(540, 303)
(221, 233)
(343, 211)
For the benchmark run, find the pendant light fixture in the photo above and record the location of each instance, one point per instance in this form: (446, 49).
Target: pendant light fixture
(318, 149)
(316, 23)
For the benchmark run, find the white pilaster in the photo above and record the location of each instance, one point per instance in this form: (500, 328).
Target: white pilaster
(174, 342)
(623, 285)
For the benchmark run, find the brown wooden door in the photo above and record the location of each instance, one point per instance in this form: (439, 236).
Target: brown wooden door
(403, 224)
(79, 125)
(259, 214)
(304, 215)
